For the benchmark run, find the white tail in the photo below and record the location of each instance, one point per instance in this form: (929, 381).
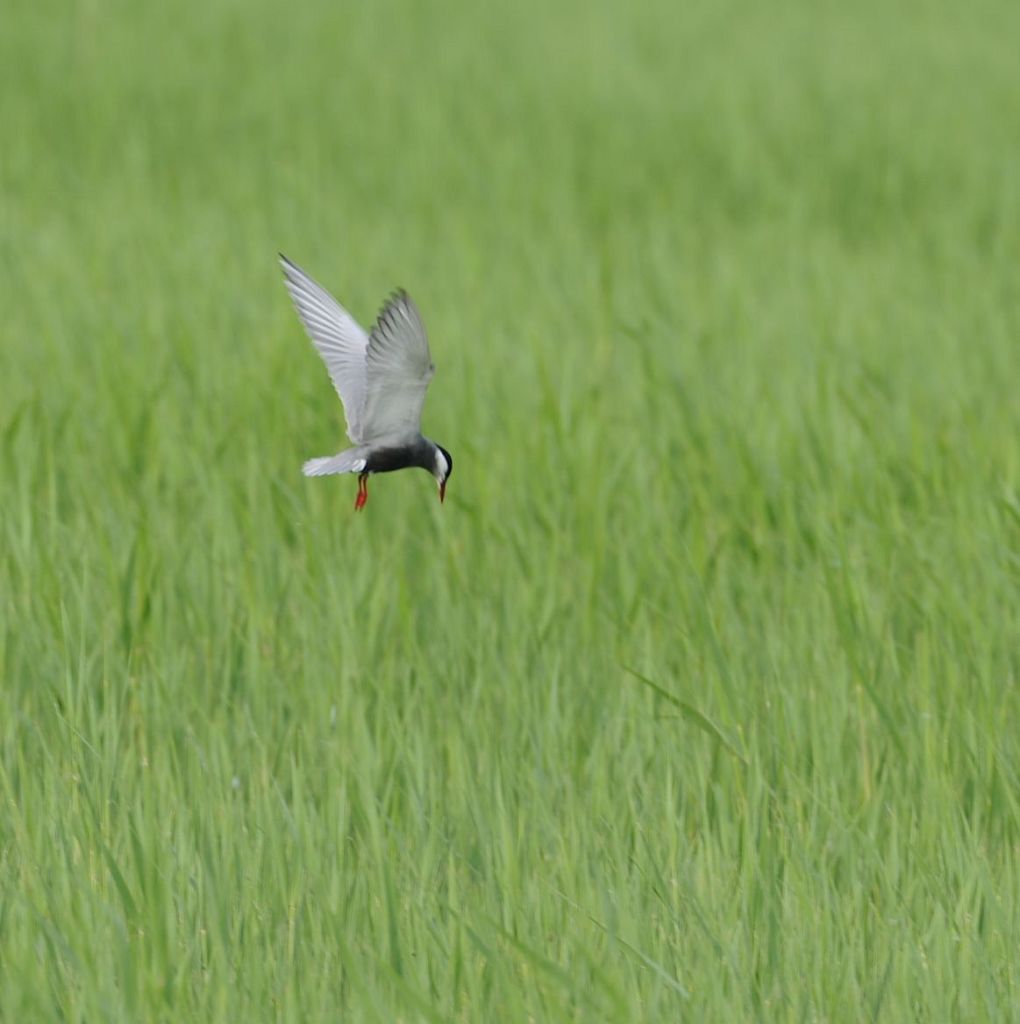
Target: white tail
(350, 461)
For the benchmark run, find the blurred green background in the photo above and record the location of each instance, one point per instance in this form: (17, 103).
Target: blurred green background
(724, 303)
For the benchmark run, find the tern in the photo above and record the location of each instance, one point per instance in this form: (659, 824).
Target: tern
(381, 378)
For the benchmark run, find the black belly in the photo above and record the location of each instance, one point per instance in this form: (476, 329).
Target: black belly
(386, 460)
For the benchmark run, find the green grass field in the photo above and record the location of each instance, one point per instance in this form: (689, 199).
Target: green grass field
(724, 302)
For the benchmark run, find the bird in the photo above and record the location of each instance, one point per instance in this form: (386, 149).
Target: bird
(381, 378)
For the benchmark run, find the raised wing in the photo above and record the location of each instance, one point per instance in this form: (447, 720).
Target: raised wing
(339, 338)
(399, 370)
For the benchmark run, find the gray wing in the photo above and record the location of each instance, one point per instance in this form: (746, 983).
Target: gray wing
(399, 370)
(339, 338)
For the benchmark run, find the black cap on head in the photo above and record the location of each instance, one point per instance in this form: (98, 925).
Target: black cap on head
(449, 461)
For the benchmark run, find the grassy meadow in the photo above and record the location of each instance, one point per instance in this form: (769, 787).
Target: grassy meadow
(700, 697)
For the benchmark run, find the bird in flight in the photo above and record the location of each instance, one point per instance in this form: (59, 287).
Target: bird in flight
(381, 378)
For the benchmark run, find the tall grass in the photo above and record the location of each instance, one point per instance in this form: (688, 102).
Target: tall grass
(699, 697)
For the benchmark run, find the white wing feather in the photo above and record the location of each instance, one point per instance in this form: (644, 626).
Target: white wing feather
(340, 340)
(399, 368)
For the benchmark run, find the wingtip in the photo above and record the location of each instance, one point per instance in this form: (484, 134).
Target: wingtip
(398, 298)
(290, 268)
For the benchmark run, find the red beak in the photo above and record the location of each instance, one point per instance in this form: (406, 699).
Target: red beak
(442, 492)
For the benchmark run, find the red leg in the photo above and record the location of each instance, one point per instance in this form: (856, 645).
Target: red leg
(359, 502)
